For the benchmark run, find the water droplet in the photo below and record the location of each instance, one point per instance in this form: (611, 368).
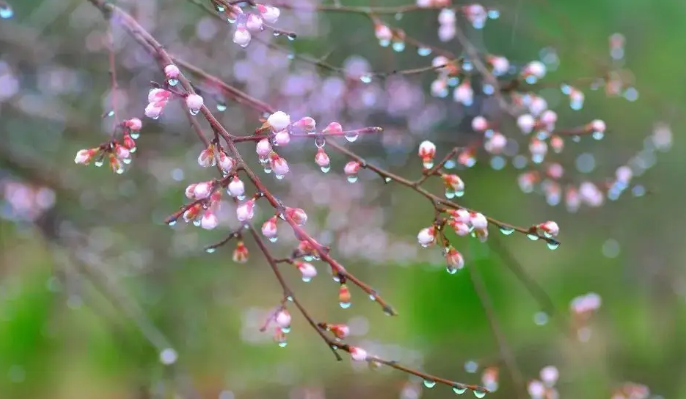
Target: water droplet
(273, 239)
(279, 177)
(366, 78)
(598, 135)
(291, 36)
(384, 42)
(221, 107)
(277, 33)
(6, 11)
(325, 169)
(541, 318)
(211, 250)
(459, 193)
(196, 222)
(387, 180)
(120, 171)
(219, 7)
(308, 258)
(289, 298)
(283, 344)
(493, 14)
(135, 135)
(345, 305)
(194, 111)
(286, 330)
(307, 279)
(398, 46)
(429, 383)
(171, 222)
(506, 230)
(479, 394)
(423, 51)
(290, 56)
(451, 270)
(398, 16)
(372, 297)
(459, 390)
(267, 169)
(127, 160)
(428, 165)
(351, 136)
(99, 163)
(449, 194)
(172, 82)
(471, 366)
(553, 245)
(450, 164)
(532, 237)
(319, 142)
(352, 178)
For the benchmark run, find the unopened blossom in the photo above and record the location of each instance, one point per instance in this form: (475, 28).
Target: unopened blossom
(129, 143)
(269, 13)
(536, 69)
(557, 143)
(242, 36)
(439, 87)
(209, 220)
(321, 158)
(297, 215)
(226, 163)
(496, 143)
(526, 123)
(236, 187)
(194, 102)
(538, 147)
(84, 157)
(446, 16)
(245, 211)
(460, 215)
(479, 123)
(550, 227)
(427, 151)
(426, 236)
(538, 105)
(282, 138)
(269, 227)
(536, 389)
(549, 118)
(278, 121)
(597, 126)
(280, 166)
(171, 71)
(624, 174)
(446, 32)
(341, 331)
(464, 94)
(192, 212)
(453, 182)
(206, 157)
(202, 190)
(306, 269)
(461, 228)
(263, 148)
(383, 33)
(358, 354)
(333, 128)
(121, 152)
(157, 96)
(500, 65)
(479, 221)
(476, 14)
(549, 375)
(490, 378)
(307, 124)
(153, 111)
(351, 168)
(253, 23)
(344, 294)
(283, 318)
(454, 259)
(240, 254)
(133, 124)
(116, 164)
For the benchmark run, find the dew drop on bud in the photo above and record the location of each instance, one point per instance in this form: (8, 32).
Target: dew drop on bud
(286, 330)
(135, 135)
(532, 237)
(598, 135)
(345, 305)
(221, 107)
(279, 177)
(172, 82)
(319, 142)
(553, 245)
(387, 180)
(325, 169)
(211, 250)
(449, 194)
(308, 279)
(451, 270)
(171, 222)
(273, 239)
(479, 394)
(428, 165)
(366, 78)
(423, 51)
(506, 230)
(398, 46)
(459, 390)
(283, 344)
(351, 136)
(429, 383)
(6, 11)
(352, 178)
(99, 163)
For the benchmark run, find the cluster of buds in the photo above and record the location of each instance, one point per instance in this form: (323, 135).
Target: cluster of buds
(214, 155)
(464, 222)
(118, 152)
(248, 20)
(544, 388)
(157, 99)
(206, 199)
(582, 308)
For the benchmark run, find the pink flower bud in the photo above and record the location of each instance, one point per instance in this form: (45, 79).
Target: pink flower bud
(341, 331)
(479, 221)
(190, 191)
(280, 166)
(427, 151)
(538, 105)
(333, 128)
(254, 23)
(298, 215)
(269, 227)
(479, 124)
(536, 69)
(240, 254)
(209, 220)
(461, 229)
(269, 13)
(153, 111)
(550, 227)
(549, 118)
(426, 236)
(283, 319)
(263, 148)
(242, 36)
(158, 95)
(597, 126)
(322, 158)
(549, 375)
(351, 168)
(453, 182)
(121, 152)
(171, 71)
(446, 16)
(279, 120)
(84, 157)
(307, 270)
(246, 211)
(464, 94)
(454, 259)
(526, 123)
(206, 157)
(307, 124)
(202, 190)
(500, 65)
(194, 102)
(226, 163)
(134, 124)
(624, 174)
(282, 138)
(536, 389)
(383, 33)
(538, 147)
(236, 187)
(358, 354)
(461, 215)
(496, 144)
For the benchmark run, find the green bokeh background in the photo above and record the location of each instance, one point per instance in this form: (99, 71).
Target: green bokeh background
(60, 337)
